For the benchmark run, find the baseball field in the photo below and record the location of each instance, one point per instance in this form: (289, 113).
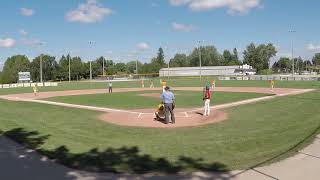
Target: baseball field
(80, 125)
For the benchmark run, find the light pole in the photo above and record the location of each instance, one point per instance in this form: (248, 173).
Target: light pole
(292, 32)
(40, 62)
(137, 66)
(166, 50)
(90, 71)
(41, 80)
(91, 43)
(200, 63)
(136, 63)
(103, 67)
(69, 67)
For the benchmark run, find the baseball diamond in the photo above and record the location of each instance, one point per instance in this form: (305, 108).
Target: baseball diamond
(159, 89)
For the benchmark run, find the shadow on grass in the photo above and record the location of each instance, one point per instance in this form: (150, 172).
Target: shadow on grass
(117, 160)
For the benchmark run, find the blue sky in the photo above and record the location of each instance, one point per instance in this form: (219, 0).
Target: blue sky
(125, 29)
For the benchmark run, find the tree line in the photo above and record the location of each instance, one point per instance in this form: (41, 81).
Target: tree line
(284, 64)
(257, 56)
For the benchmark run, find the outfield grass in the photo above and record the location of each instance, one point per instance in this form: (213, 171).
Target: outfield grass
(175, 82)
(253, 134)
(134, 100)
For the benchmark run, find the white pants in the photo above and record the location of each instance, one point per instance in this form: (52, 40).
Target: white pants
(206, 107)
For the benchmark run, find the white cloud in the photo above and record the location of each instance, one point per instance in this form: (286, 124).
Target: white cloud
(143, 46)
(313, 47)
(233, 6)
(90, 12)
(7, 43)
(23, 32)
(26, 11)
(182, 27)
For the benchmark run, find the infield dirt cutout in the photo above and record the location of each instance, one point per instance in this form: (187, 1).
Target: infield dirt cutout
(145, 117)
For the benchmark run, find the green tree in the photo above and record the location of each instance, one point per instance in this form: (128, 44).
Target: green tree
(282, 65)
(307, 64)
(96, 69)
(107, 64)
(209, 56)
(259, 56)
(316, 59)
(77, 68)
(299, 64)
(13, 66)
(179, 60)
(49, 68)
(63, 68)
(228, 57)
(120, 68)
(131, 67)
(160, 58)
(156, 63)
(236, 57)
(231, 59)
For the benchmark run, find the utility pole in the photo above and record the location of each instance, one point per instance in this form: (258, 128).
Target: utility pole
(166, 50)
(200, 63)
(137, 66)
(90, 71)
(40, 62)
(169, 69)
(292, 56)
(69, 67)
(41, 80)
(91, 45)
(103, 67)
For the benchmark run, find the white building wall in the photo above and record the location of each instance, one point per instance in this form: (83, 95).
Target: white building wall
(195, 71)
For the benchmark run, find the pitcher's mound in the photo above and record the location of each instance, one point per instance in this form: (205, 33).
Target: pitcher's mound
(147, 119)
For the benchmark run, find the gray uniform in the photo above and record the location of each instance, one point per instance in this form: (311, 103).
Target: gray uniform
(168, 99)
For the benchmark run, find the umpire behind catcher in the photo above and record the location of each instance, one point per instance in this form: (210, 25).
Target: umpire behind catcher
(168, 100)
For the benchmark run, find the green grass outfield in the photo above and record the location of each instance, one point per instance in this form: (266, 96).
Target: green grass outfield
(175, 82)
(134, 100)
(253, 134)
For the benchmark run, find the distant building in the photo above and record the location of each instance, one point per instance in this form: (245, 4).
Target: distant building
(208, 71)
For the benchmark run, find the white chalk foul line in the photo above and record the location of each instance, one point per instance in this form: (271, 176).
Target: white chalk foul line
(102, 109)
(249, 101)
(139, 115)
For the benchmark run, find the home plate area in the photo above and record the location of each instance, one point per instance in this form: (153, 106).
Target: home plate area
(147, 118)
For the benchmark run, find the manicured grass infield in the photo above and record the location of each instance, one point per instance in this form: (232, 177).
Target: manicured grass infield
(134, 100)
